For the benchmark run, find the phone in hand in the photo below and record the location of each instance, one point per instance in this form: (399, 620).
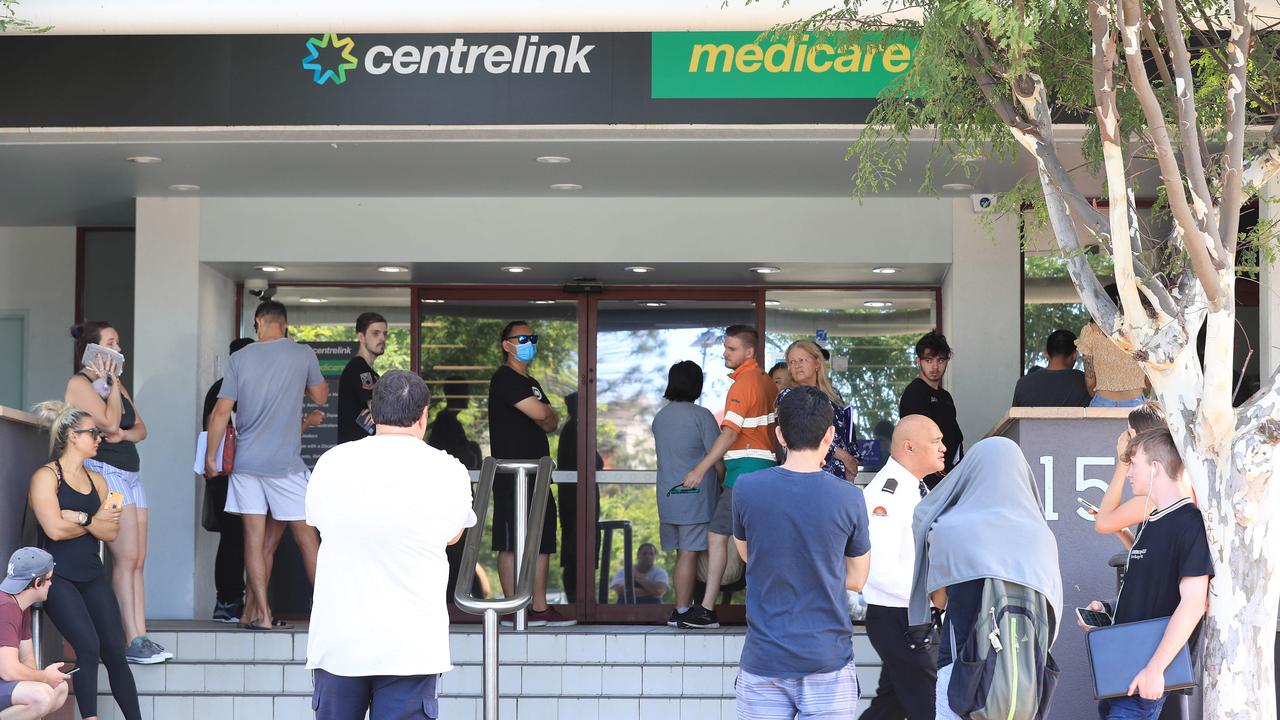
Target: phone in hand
(115, 500)
(1093, 618)
(73, 671)
(1087, 505)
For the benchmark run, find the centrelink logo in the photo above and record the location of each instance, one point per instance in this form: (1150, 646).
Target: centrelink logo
(526, 56)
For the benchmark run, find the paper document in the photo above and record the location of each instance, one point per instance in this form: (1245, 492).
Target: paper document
(202, 446)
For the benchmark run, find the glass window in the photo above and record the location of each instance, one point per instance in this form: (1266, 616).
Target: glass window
(870, 334)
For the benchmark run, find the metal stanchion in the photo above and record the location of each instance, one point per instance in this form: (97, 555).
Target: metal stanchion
(522, 527)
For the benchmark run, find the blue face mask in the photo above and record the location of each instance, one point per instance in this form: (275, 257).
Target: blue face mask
(527, 352)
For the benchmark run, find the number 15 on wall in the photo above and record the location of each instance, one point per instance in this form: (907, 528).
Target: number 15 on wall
(1082, 483)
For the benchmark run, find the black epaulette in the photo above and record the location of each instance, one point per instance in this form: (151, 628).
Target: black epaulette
(890, 486)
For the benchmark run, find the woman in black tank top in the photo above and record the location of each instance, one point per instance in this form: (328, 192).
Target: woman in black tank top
(75, 512)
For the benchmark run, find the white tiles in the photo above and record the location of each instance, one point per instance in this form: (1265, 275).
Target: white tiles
(703, 680)
(546, 647)
(584, 648)
(625, 648)
(620, 709)
(459, 708)
(582, 680)
(538, 708)
(513, 647)
(272, 646)
(175, 707)
(253, 708)
(300, 646)
(659, 708)
(662, 680)
(297, 679)
(293, 708)
(181, 677)
(234, 646)
(264, 678)
(466, 647)
(621, 681)
(213, 708)
(224, 678)
(195, 646)
(703, 648)
(664, 648)
(541, 680)
(580, 709)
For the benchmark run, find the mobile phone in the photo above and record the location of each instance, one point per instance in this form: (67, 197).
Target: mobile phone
(73, 671)
(94, 350)
(1087, 505)
(1093, 618)
(115, 500)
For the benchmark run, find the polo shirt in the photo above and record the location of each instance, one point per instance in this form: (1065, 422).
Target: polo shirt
(749, 409)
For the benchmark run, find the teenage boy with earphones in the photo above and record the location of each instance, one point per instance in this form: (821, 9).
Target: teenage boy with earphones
(1168, 571)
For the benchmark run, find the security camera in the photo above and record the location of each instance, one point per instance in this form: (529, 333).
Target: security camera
(259, 288)
(983, 202)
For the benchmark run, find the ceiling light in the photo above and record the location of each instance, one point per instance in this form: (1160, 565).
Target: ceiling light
(515, 268)
(271, 268)
(392, 269)
(566, 187)
(886, 270)
(553, 160)
(772, 303)
(877, 304)
(957, 187)
(638, 268)
(431, 301)
(765, 269)
(184, 188)
(653, 303)
(313, 301)
(542, 302)
(143, 159)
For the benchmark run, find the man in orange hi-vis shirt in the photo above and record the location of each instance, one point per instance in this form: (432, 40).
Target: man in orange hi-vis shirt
(746, 445)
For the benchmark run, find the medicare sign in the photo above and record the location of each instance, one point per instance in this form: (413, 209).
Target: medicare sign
(752, 65)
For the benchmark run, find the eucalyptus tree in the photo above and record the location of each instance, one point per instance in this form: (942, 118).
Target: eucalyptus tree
(1193, 88)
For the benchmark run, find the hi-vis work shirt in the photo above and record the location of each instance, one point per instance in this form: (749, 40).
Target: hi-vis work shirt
(892, 496)
(749, 409)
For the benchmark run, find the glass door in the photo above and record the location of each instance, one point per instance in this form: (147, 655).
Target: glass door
(636, 338)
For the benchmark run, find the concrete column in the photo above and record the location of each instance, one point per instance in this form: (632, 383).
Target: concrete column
(982, 318)
(1269, 297)
(166, 357)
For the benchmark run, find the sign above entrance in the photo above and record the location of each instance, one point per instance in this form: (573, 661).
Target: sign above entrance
(333, 78)
(751, 65)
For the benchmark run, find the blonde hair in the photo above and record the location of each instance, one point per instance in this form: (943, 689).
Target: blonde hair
(811, 349)
(62, 419)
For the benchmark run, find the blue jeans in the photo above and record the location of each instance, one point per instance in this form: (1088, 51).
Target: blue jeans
(1130, 708)
(1099, 401)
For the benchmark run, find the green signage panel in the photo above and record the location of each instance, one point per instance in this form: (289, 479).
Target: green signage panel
(747, 65)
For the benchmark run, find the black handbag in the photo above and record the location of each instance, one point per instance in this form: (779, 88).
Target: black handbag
(215, 499)
(1117, 653)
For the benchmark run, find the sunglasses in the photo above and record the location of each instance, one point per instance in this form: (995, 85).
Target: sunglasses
(523, 339)
(95, 432)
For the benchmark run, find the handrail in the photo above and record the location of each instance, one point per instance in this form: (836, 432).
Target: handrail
(527, 535)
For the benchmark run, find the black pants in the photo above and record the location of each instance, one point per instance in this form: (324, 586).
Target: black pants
(87, 615)
(228, 567)
(907, 677)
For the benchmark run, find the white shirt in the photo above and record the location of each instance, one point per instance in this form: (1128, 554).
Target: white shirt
(386, 507)
(893, 549)
(655, 575)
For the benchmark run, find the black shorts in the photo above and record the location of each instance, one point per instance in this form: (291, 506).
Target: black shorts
(6, 693)
(504, 517)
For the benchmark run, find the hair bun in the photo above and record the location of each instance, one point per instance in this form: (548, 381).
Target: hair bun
(77, 331)
(50, 410)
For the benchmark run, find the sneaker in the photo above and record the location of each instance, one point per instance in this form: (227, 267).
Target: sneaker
(699, 618)
(140, 653)
(677, 616)
(227, 612)
(550, 618)
(156, 648)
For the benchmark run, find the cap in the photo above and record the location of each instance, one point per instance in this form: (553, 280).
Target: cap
(26, 564)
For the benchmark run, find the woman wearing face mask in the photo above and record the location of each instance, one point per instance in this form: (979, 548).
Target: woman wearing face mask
(807, 367)
(74, 511)
(97, 390)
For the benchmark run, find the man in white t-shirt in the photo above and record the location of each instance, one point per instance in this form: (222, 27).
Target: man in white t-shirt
(650, 580)
(387, 506)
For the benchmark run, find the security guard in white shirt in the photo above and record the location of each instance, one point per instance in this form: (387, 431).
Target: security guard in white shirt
(909, 666)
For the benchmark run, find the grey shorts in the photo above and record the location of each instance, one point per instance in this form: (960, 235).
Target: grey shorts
(722, 518)
(692, 538)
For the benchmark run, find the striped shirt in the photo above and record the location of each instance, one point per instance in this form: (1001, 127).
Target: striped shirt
(749, 409)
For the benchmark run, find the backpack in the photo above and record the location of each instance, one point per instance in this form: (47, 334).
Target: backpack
(1003, 670)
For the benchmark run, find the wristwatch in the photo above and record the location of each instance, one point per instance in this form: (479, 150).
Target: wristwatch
(87, 519)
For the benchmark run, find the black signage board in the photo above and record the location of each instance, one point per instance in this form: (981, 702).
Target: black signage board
(260, 80)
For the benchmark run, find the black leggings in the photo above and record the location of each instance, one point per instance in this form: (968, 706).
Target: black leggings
(87, 615)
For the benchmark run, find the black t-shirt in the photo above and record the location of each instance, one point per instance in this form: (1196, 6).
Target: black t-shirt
(964, 602)
(211, 399)
(1173, 545)
(512, 434)
(920, 399)
(446, 433)
(1052, 388)
(355, 390)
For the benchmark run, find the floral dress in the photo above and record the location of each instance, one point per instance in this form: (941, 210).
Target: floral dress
(841, 421)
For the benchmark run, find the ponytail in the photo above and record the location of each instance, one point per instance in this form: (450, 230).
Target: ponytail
(62, 419)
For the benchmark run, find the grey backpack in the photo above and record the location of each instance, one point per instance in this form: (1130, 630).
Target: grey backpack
(1003, 670)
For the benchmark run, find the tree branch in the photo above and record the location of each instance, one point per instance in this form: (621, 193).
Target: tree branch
(1237, 80)
(1192, 236)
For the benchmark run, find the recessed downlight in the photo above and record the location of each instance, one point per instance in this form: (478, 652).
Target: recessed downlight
(516, 268)
(553, 160)
(431, 301)
(184, 188)
(886, 270)
(565, 187)
(877, 304)
(143, 159)
(313, 300)
(542, 302)
(271, 268)
(957, 187)
(392, 269)
(653, 303)
(638, 268)
(766, 269)
(772, 303)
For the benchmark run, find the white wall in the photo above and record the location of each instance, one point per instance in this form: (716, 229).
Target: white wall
(656, 230)
(982, 318)
(169, 394)
(37, 279)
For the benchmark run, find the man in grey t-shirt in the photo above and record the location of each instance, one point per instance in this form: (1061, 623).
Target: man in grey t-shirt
(266, 382)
